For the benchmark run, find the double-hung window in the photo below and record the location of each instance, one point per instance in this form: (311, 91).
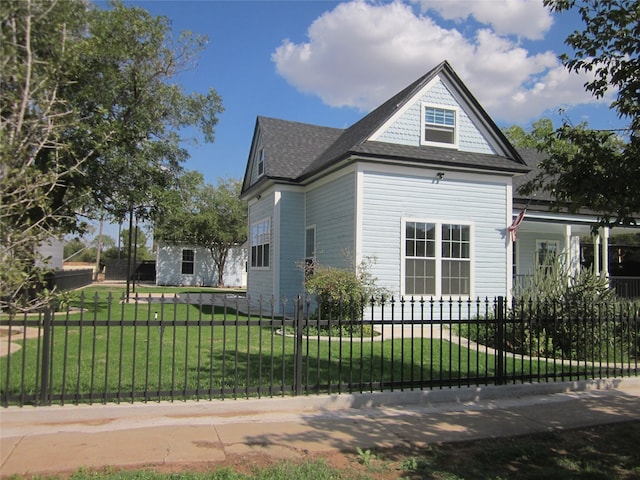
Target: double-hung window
(437, 259)
(420, 258)
(439, 126)
(260, 244)
(456, 259)
(188, 261)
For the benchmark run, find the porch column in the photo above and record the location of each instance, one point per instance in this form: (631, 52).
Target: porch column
(567, 248)
(605, 252)
(596, 253)
(568, 254)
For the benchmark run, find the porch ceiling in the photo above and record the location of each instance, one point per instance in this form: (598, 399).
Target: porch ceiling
(553, 227)
(581, 229)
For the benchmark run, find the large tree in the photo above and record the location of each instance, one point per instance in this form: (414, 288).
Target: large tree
(207, 216)
(37, 41)
(602, 170)
(91, 119)
(535, 138)
(130, 96)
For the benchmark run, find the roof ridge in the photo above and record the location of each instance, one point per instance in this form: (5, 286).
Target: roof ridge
(283, 120)
(363, 128)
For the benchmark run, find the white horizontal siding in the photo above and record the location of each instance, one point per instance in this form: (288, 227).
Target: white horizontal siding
(388, 198)
(291, 253)
(331, 208)
(260, 281)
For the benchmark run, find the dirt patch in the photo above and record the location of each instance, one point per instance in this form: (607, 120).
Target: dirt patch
(5, 331)
(7, 342)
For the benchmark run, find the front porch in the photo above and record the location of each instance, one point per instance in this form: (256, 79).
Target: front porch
(544, 234)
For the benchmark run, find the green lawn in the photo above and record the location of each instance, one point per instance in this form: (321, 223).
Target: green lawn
(154, 351)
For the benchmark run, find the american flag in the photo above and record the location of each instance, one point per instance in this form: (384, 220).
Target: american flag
(516, 223)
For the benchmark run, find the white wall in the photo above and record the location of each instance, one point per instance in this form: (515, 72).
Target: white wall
(53, 251)
(169, 267)
(391, 194)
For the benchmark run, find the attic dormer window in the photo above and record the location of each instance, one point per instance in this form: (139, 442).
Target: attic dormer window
(261, 162)
(439, 126)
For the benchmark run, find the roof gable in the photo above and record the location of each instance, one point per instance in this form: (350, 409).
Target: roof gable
(405, 127)
(287, 148)
(297, 151)
(443, 85)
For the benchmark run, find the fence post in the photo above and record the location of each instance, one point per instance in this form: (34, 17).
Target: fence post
(500, 315)
(45, 397)
(298, 348)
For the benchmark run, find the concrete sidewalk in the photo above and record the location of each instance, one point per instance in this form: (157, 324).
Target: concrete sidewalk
(62, 439)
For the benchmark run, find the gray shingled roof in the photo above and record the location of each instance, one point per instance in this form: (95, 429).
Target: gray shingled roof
(290, 147)
(351, 141)
(359, 131)
(295, 151)
(439, 156)
(540, 201)
(533, 157)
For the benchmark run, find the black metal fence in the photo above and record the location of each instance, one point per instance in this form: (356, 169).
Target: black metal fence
(208, 346)
(626, 287)
(69, 279)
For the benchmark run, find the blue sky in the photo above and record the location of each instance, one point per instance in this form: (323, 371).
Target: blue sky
(329, 63)
(255, 61)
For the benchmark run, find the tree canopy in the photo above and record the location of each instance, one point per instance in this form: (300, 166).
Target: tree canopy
(601, 171)
(534, 138)
(133, 102)
(91, 116)
(206, 216)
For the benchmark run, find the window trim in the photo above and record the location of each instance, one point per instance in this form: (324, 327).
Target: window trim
(184, 262)
(262, 266)
(260, 163)
(423, 125)
(309, 259)
(438, 257)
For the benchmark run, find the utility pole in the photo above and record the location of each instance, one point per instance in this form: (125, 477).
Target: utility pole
(129, 251)
(99, 247)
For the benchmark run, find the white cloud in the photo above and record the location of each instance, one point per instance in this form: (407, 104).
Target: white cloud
(524, 18)
(360, 54)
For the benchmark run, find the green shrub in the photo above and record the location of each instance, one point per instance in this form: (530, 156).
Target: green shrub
(342, 293)
(570, 315)
(554, 282)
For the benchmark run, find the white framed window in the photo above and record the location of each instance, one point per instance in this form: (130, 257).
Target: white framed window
(260, 242)
(456, 259)
(261, 162)
(188, 261)
(439, 125)
(436, 258)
